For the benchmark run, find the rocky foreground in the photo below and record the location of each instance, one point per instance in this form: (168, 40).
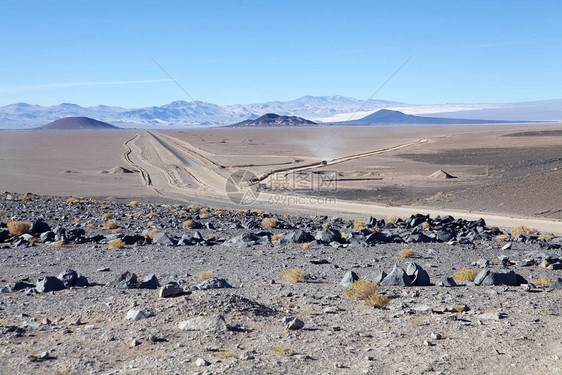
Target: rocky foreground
(103, 287)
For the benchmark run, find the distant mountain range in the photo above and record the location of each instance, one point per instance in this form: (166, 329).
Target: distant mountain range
(76, 123)
(318, 109)
(389, 117)
(272, 119)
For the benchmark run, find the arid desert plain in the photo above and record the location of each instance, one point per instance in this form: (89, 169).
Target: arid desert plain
(170, 203)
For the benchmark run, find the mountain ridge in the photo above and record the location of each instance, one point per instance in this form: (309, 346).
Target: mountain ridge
(322, 109)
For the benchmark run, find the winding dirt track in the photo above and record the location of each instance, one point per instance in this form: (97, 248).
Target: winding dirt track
(176, 169)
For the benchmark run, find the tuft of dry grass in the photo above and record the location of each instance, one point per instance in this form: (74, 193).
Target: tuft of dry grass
(358, 225)
(426, 225)
(306, 246)
(133, 203)
(204, 215)
(276, 237)
(72, 200)
(17, 228)
(543, 281)
(89, 226)
(107, 215)
(188, 224)
(225, 354)
(361, 290)
(110, 225)
(218, 212)
(152, 224)
(407, 253)
(343, 235)
(292, 275)
(464, 274)
(391, 219)
(546, 237)
(117, 230)
(325, 225)
(502, 237)
(182, 212)
(152, 214)
(58, 244)
(282, 349)
(77, 220)
(116, 244)
(212, 236)
(205, 275)
(269, 222)
(22, 197)
(378, 301)
(153, 232)
(521, 229)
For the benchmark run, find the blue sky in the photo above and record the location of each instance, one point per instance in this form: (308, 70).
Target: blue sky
(229, 52)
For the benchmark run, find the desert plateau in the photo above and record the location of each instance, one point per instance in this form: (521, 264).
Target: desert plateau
(124, 251)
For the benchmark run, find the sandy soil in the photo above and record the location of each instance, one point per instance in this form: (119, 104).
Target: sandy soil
(381, 170)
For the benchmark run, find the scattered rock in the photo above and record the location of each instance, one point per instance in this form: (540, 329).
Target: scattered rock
(214, 323)
(135, 315)
(397, 277)
(348, 279)
(170, 290)
(213, 283)
(292, 323)
(49, 284)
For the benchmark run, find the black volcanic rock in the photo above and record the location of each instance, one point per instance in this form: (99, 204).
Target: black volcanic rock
(271, 119)
(389, 117)
(77, 123)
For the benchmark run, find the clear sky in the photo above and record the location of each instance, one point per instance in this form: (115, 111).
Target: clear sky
(236, 52)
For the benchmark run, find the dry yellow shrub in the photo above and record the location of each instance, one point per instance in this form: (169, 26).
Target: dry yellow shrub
(275, 237)
(269, 222)
(110, 225)
(361, 290)
(205, 275)
(464, 274)
(152, 214)
(502, 237)
(133, 203)
(306, 246)
(358, 225)
(17, 228)
(116, 244)
(407, 253)
(153, 232)
(107, 215)
(292, 275)
(377, 301)
(188, 224)
(521, 229)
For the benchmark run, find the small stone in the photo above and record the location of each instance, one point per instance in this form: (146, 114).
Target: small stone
(134, 343)
(428, 343)
(293, 324)
(507, 246)
(436, 336)
(170, 290)
(199, 362)
(204, 323)
(135, 315)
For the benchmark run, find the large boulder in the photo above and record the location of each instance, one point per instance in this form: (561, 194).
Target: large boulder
(328, 235)
(297, 236)
(502, 276)
(376, 276)
(126, 280)
(246, 240)
(397, 277)
(71, 278)
(161, 238)
(418, 275)
(39, 226)
(49, 284)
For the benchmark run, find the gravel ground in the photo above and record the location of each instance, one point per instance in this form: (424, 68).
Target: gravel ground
(422, 330)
